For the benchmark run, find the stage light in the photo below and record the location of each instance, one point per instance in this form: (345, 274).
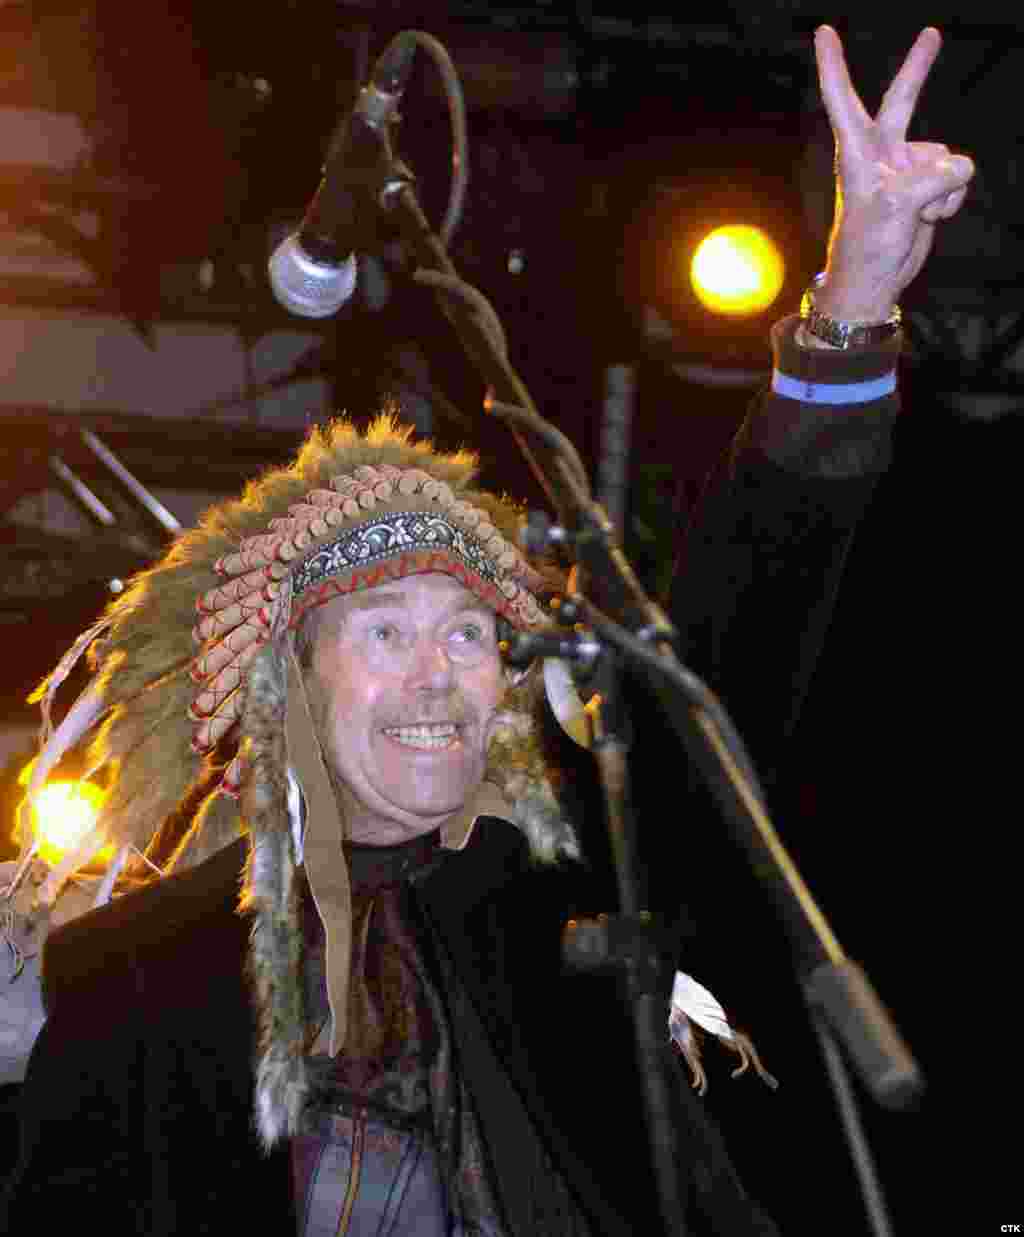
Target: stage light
(62, 813)
(737, 270)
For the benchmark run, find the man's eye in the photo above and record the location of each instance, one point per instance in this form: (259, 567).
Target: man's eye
(382, 632)
(470, 633)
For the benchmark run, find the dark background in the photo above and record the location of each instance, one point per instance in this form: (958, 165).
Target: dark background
(601, 136)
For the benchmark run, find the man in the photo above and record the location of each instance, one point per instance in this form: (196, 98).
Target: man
(418, 1068)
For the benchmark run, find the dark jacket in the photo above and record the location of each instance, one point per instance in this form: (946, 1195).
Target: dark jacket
(137, 1106)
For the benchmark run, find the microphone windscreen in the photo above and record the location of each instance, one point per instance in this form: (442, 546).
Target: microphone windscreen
(307, 288)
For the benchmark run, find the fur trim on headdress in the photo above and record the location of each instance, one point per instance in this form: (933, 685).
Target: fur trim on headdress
(516, 764)
(271, 892)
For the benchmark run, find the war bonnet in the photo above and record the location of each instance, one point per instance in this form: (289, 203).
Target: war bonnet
(193, 665)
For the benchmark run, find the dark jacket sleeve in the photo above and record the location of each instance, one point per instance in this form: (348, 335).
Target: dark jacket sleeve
(759, 571)
(136, 1106)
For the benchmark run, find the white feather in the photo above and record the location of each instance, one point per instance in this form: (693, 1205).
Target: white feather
(79, 718)
(296, 812)
(106, 889)
(697, 1003)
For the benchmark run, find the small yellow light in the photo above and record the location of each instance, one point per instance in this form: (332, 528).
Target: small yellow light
(737, 270)
(62, 814)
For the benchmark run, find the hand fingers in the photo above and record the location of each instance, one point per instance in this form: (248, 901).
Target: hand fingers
(923, 153)
(842, 103)
(945, 208)
(900, 99)
(905, 156)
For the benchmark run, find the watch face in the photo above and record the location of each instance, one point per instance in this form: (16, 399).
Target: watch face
(832, 332)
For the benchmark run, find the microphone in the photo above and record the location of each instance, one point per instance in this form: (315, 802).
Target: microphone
(313, 271)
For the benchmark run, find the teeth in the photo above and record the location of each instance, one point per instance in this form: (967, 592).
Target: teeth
(440, 734)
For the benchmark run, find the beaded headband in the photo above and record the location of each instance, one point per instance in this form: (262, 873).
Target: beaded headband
(376, 524)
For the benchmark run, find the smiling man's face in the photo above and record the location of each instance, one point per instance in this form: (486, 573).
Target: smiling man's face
(406, 679)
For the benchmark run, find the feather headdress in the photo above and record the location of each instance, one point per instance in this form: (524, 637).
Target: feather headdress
(191, 682)
(172, 654)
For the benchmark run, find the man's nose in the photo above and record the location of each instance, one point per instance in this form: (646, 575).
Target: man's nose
(431, 667)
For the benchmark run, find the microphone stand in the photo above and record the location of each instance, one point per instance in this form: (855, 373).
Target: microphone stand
(636, 954)
(842, 1003)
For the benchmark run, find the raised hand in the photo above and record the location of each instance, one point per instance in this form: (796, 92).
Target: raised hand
(890, 193)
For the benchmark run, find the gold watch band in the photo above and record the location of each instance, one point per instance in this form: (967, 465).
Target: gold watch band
(840, 334)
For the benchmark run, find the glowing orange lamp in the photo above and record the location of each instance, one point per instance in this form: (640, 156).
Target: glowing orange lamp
(737, 270)
(61, 814)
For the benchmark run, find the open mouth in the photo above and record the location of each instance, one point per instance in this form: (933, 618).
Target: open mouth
(433, 736)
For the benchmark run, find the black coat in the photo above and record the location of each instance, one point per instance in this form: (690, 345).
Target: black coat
(138, 1099)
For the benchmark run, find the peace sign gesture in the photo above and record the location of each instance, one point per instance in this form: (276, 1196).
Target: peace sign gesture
(890, 193)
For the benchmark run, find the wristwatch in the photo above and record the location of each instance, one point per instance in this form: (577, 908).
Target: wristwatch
(844, 335)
